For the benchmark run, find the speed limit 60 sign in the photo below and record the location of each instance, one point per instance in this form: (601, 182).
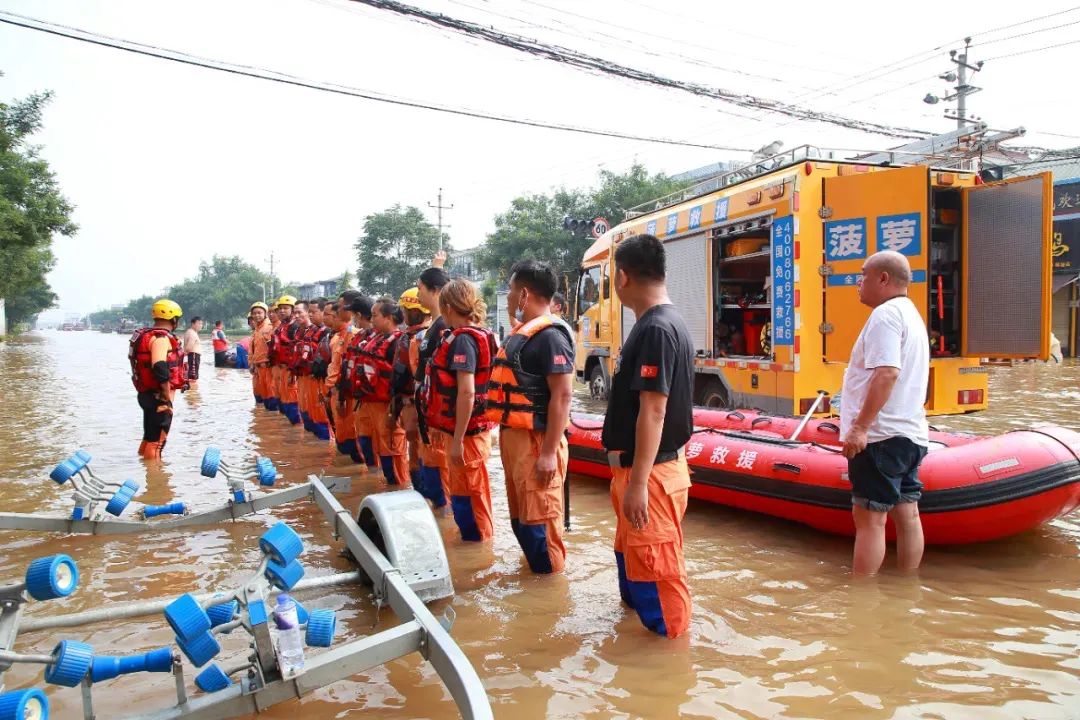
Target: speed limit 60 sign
(599, 226)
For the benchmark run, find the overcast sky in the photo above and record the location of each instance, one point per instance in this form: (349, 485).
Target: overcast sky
(170, 164)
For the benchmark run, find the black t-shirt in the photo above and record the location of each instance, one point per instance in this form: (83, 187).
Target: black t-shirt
(428, 345)
(658, 356)
(463, 352)
(549, 352)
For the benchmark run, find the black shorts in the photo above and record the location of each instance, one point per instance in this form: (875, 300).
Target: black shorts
(193, 360)
(886, 473)
(157, 416)
(221, 359)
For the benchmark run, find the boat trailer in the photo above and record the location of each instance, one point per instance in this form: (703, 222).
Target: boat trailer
(99, 503)
(413, 569)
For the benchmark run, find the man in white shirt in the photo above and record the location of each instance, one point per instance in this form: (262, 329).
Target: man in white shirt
(193, 350)
(882, 419)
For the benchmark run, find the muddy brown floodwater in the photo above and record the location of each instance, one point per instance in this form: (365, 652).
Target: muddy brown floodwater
(779, 629)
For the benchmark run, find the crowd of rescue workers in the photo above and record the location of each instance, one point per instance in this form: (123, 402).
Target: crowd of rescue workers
(413, 387)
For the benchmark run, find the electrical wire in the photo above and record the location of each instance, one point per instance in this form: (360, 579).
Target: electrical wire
(592, 63)
(1032, 50)
(282, 78)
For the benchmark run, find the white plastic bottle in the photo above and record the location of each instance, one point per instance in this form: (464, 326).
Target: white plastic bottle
(290, 644)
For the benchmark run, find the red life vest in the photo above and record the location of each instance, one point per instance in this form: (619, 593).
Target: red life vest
(376, 366)
(310, 351)
(295, 359)
(142, 369)
(438, 396)
(282, 347)
(352, 364)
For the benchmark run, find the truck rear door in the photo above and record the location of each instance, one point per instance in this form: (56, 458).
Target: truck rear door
(1007, 268)
(864, 212)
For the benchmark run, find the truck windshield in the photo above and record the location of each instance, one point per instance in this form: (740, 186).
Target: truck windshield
(588, 289)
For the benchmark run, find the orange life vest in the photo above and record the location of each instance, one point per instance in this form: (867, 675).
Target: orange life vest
(404, 369)
(142, 368)
(283, 342)
(518, 399)
(438, 395)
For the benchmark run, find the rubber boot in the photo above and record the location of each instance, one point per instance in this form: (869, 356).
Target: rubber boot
(433, 484)
(271, 403)
(321, 430)
(369, 453)
(387, 462)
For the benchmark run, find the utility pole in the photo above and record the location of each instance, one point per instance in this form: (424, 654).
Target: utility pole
(439, 208)
(271, 273)
(962, 89)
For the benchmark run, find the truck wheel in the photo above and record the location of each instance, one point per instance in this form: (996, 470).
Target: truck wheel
(714, 395)
(598, 388)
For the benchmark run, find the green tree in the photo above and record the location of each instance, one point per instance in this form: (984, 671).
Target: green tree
(223, 289)
(346, 281)
(31, 211)
(533, 226)
(397, 245)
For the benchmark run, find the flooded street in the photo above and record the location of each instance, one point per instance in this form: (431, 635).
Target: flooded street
(779, 630)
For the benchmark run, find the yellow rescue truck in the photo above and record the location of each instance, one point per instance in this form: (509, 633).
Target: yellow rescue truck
(762, 263)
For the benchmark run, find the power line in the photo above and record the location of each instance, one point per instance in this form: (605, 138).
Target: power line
(592, 63)
(1033, 50)
(1030, 32)
(284, 79)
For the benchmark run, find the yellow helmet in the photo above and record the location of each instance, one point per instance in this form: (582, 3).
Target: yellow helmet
(410, 300)
(260, 305)
(165, 309)
(286, 300)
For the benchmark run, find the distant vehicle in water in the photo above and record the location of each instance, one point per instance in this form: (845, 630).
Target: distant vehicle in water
(67, 326)
(127, 325)
(79, 327)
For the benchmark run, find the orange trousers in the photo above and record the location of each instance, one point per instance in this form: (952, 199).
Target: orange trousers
(536, 510)
(316, 406)
(286, 386)
(266, 389)
(412, 436)
(470, 485)
(652, 573)
(344, 421)
(387, 440)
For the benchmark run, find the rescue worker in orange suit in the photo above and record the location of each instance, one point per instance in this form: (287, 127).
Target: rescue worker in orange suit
(417, 320)
(435, 473)
(336, 391)
(260, 352)
(279, 357)
(316, 348)
(301, 323)
(354, 377)
(157, 370)
(378, 356)
(454, 401)
(649, 420)
(273, 401)
(529, 396)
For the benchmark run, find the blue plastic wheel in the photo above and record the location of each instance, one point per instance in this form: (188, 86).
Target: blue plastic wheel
(107, 667)
(321, 625)
(281, 543)
(186, 617)
(29, 704)
(200, 649)
(72, 662)
(52, 577)
(118, 504)
(267, 474)
(223, 613)
(63, 472)
(211, 460)
(212, 679)
(79, 460)
(132, 486)
(284, 576)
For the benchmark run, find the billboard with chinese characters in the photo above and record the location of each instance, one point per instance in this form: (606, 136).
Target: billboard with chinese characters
(1066, 248)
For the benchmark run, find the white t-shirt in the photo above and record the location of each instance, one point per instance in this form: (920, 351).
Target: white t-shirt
(894, 336)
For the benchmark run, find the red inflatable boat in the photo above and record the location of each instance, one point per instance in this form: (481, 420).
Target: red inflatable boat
(974, 488)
